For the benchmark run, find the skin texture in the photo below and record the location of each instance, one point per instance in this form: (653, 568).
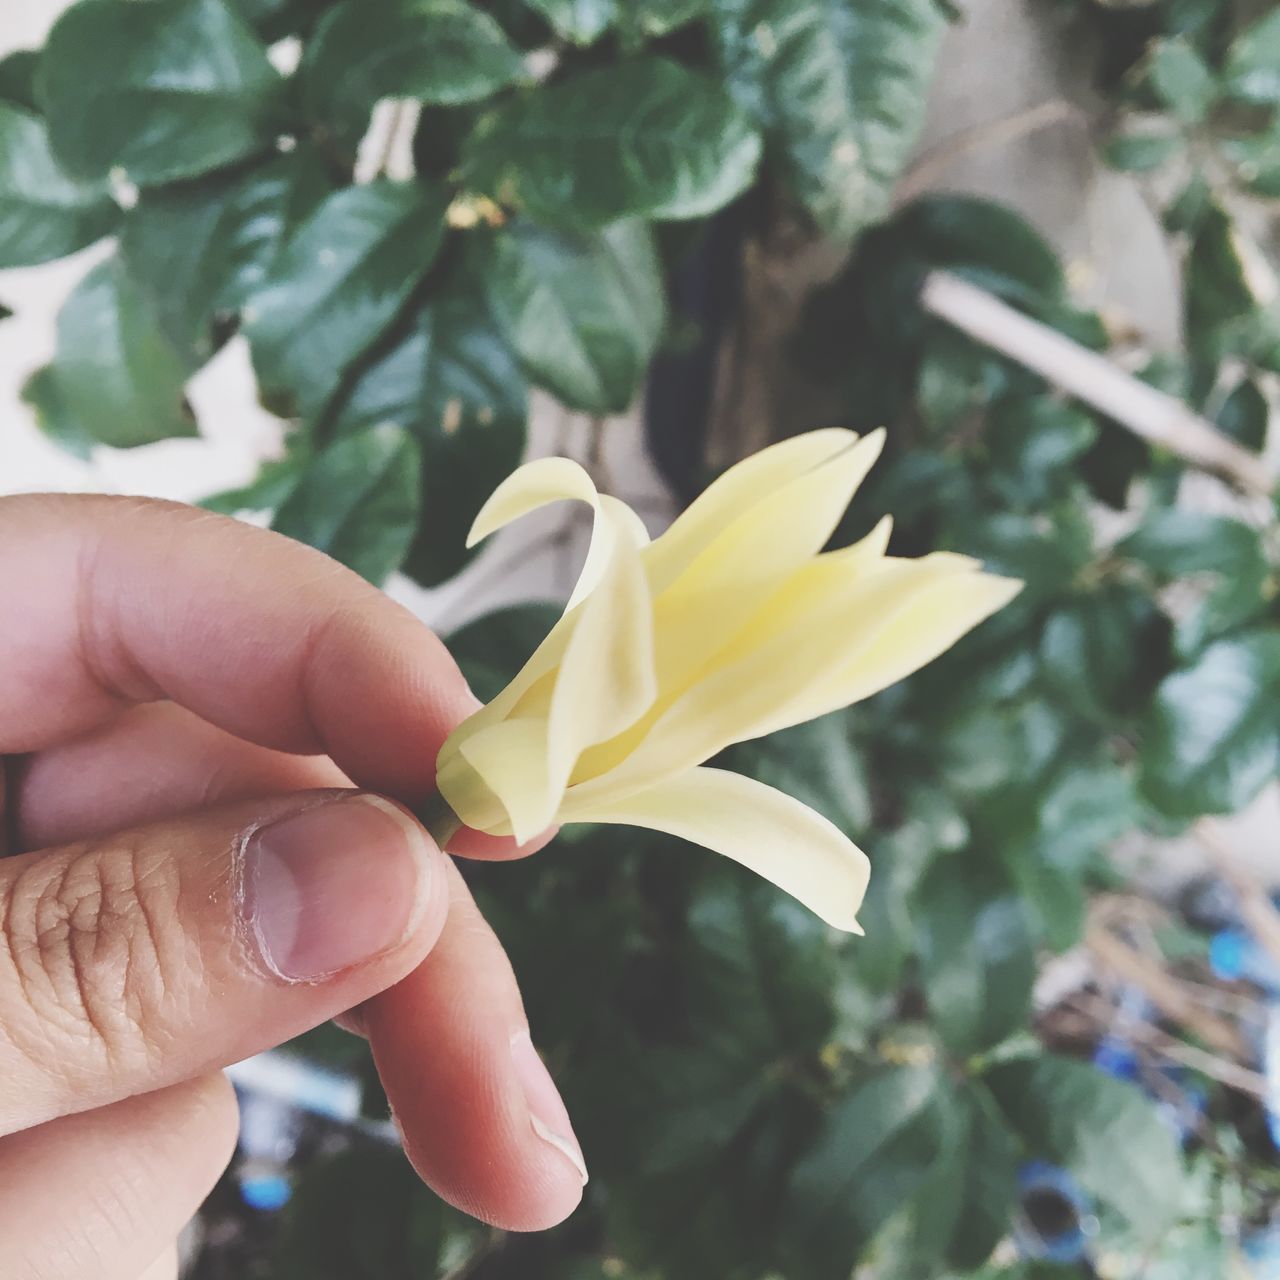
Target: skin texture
(170, 683)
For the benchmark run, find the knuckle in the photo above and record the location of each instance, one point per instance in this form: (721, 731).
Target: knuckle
(90, 943)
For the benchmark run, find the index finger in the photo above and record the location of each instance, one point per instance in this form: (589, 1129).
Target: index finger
(114, 601)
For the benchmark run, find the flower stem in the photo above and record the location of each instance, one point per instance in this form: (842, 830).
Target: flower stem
(439, 819)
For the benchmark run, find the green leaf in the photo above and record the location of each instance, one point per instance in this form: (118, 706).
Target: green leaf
(119, 379)
(358, 501)
(440, 52)
(647, 137)
(654, 18)
(1046, 554)
(18, 78)
(760, 973)
(43, 394)
(43, 213)
(1225, 557)
(816, 763)
(964, 1209)
(583, 312)
(1182, 80)
(578, 21)
(985, 242)
(1212, 741)
(1103, 652)
(1142, 151)
(1253, 63)
(1245, 415)
(275, 481)
(194, 92)
(1032, 443)
(453, 383)
(361, 1215)
(976, 959)
(337, 285)
(1103, 1131)
(1257, 160)
(201, 249)
(1216, 283)
(839, 88)
(872, 1155)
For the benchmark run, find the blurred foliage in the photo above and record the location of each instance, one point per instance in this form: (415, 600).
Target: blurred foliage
(757, 1099)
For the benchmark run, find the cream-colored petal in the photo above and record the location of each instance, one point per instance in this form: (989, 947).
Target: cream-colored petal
(765, 830)
(735, 492)
(606, 680)
(804, 648)
(526, 489)
(722, 586)
(495, 779)
(928, 625)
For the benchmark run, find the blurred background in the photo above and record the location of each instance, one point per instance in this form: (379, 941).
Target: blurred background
(388, 249)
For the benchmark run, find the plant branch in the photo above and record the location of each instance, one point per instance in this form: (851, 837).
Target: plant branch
(1154, 415)
(927, 168)
(1164, 992)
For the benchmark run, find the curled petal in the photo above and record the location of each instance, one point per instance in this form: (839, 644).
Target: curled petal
(765, 830)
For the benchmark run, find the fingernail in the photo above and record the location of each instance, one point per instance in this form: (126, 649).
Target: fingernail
(333, 886)
(547, 1111)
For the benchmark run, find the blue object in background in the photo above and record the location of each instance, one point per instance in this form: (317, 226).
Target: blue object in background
(266, 1192)
(1235, 955)
(1055, 1221)
(1261, 1251)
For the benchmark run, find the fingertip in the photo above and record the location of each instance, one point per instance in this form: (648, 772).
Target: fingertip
(482, 847)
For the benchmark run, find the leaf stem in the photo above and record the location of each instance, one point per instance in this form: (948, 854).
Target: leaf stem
(439, 819)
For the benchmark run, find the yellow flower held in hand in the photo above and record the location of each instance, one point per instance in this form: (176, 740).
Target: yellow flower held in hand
(729, 626)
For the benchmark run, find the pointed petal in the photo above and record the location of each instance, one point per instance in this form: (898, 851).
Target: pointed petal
(765, 830)
(735, 492)
(722, 586)
(805, 651)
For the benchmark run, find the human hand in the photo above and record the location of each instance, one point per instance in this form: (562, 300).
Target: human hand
(185, 703)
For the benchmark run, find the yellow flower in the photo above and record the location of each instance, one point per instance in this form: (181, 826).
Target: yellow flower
(729, 626)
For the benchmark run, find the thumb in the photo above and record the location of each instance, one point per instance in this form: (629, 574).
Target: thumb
(131, 963)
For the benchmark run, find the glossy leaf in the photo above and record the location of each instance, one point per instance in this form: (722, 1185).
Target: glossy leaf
(119, 379)
(583, 312)
(839, 88)
(1142, 151)
(43, 395)
(18, 78)
(1245, 415)
(358, 501)
(43, 213)
(337, 285)
(1182, 80)
(453, 383)
(647, 137)
(1253, 64)
(653, 18)
(201, 249)
(1221, 557)
(1103, 653)
(1106, 1134)
(440, 52)
(871, 1156)
(579, 21)
(194, 92)
(976, 956)
(1212, 740)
